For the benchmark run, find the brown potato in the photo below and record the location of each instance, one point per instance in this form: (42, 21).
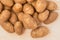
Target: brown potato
(20, 1)
(51, 5)
(17, 7)
(29, 22)
(20, 16)
(30, 1)
(41, 5)
(40, 32)
(8, 27)
(18, 27)
(52, 17)
(43, 16)
(28, 9)
(5, 14)
(7, 8)
(13, 18)
(7, 2)
(1, 7)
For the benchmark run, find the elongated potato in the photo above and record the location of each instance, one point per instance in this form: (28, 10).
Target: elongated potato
(4, 16)
(20, 1)
(43, 16)
(18, 27)
(41, 5)
(7, 2)
(40, 32)
(13, 18)
(8, 27)
(17, 7)
(52, 17)
(28, 9)
(1, 7)
(29, 22)
(51, 5)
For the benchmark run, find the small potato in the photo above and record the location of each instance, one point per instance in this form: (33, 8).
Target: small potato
(51, 5)
(5, 14)
(8, 27)
(29, 22)
(30, 1)
(1, 7)
(18, 27)
(39, 32)
(7, 8)
(7, 2)
(13, 18)
(17, 7)
(28, 9)
(35, 16)
(43, 16)
(52, 17)
(20, 16)
(20, 1)
(41, 5)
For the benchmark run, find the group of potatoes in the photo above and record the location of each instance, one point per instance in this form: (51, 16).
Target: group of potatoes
(18, 15)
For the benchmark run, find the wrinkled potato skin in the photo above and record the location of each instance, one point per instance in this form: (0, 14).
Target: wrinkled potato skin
(7, 2)
(29, 22)
(39, 32)
(43, 16)
(8, 27)
(18, 28)
(17, 7)
(41, 5)
(13, 18)
(20, 1)
(52, 17)
(51, 5)
(1, 7)
(5, 14)
(28, 9)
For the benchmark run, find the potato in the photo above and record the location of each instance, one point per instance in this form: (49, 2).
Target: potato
(51, 5)
(40, 32)
(28, 9)
(8, 27)
(20, 1)
(20, 16)
(1, 7)
(7, 2)
(13, 18)
(29, 22)
(43, 16)
(35, 16)
(5, 14)
(7, 8)
(34, 4)
(18, 27)
(52, 17)
(41, 5)
(17, 7)
(30, 1)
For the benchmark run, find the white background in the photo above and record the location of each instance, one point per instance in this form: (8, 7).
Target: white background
(53, 27)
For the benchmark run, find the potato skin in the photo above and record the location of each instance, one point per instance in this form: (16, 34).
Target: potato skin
(41, 5)
(20, 1)
(17, 7)
(40, 32)
(43, 16)
(7, 2)
(28, 9)
(29, 22)
(30, 1)
(8, 27)
(13, 18)
(1, 7)
(5, 14)
(51, 6)
(18, 27)
(52, 17)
